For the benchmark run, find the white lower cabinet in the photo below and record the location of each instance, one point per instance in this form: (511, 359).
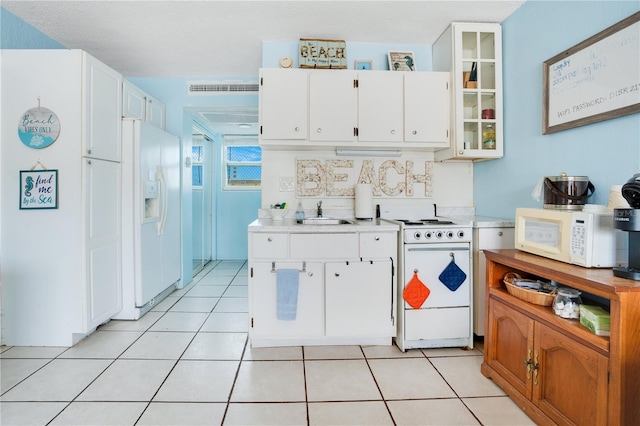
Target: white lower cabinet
(358, 298)
(345, 290)
(485, 239)
(310, 314)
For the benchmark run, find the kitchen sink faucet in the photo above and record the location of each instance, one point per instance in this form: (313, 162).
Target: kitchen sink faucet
(319, 209)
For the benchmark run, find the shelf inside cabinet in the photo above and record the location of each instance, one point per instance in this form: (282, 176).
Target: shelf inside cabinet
(546, 315)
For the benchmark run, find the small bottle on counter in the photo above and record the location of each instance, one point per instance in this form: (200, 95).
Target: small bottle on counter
(299, 212)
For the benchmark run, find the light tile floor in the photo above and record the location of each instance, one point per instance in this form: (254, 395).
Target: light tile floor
(188, 362)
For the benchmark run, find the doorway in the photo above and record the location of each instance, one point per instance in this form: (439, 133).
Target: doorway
(202, 189)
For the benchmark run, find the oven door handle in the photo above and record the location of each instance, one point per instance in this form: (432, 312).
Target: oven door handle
(438, 249)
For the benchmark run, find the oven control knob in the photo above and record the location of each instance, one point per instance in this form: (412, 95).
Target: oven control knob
(417, 235)
(460, 234)
(428, 235)
(449, 234)
(439, 234)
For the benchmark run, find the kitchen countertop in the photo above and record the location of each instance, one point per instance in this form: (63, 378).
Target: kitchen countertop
(290, 225)
(492, 222)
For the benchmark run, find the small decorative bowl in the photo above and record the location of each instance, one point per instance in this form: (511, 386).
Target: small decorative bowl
(278, 214)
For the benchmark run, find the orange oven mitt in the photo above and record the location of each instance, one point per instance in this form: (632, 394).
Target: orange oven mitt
(415, 293)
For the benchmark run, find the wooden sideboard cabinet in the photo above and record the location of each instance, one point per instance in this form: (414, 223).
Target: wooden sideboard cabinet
(555, 369)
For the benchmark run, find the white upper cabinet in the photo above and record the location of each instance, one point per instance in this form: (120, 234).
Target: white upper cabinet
(426, 108)
(380, 106)
(332, 106)
(472, 52)
(364, 109)
(138, 104)
(101, 103)
(284, 107)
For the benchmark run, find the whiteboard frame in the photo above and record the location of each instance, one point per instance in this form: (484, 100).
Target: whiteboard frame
(548, 65)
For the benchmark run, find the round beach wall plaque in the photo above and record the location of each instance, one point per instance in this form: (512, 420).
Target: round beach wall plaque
(38, 127)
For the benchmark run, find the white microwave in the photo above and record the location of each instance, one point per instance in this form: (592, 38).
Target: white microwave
(585, 238)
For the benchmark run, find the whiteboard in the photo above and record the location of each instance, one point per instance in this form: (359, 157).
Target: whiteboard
(595, 80)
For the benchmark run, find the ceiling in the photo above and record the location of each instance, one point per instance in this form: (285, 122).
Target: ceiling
(218, 39)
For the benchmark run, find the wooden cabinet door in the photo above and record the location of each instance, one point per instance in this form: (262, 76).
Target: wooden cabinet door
(359, 298)
(332, 106)
(380, 106)
(427, 108)
(510, 346)
(284, 106)
(263, 308)
(570, 382)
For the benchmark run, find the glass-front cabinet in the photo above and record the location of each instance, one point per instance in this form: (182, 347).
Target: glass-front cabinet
(472, 52)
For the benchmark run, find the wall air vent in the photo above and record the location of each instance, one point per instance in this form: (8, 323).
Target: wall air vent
(222, 87)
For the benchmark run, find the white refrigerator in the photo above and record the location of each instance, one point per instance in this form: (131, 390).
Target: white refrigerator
(151, 233)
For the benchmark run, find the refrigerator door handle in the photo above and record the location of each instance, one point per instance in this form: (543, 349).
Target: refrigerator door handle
(164, 191)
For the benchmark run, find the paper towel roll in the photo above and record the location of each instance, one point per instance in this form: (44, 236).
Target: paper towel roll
(364, 201)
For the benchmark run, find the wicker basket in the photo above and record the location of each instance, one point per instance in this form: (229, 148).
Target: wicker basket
(531, 296)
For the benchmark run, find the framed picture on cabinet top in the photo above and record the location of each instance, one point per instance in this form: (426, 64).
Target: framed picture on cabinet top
(363, 64)
(401, 61)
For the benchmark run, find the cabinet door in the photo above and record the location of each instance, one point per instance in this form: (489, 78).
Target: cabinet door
(284, 107)
(133, 101)
(380, 106)
(309, 320)
(571, 380)
(102, 103)
(486, 239)
(155, 113)
(332, 106)
(358, 298)
(473, 51)
(103, 296)
(426, 108)
(510, 346)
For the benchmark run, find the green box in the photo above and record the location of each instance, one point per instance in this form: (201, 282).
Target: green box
(596, 319)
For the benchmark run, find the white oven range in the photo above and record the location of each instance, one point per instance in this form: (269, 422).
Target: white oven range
(436, 251)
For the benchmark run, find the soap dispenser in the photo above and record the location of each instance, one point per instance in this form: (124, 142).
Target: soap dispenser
(299, 212)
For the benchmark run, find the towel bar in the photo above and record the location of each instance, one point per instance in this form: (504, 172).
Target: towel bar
(304, 267)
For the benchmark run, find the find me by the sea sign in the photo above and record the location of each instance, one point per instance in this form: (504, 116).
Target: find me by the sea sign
(38, 127)
(38, 189)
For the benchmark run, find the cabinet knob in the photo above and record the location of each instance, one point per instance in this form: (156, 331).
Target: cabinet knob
(297, 129)
(310, 274)
(269, 239)
(337, 274)
(377, 238)
(393, 132)
(415, 132)
(88, 151)
(460, 152)
(500, 233)
(319, 130)
(89, 162)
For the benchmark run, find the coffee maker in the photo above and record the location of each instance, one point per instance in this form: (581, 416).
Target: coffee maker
(629, 220)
